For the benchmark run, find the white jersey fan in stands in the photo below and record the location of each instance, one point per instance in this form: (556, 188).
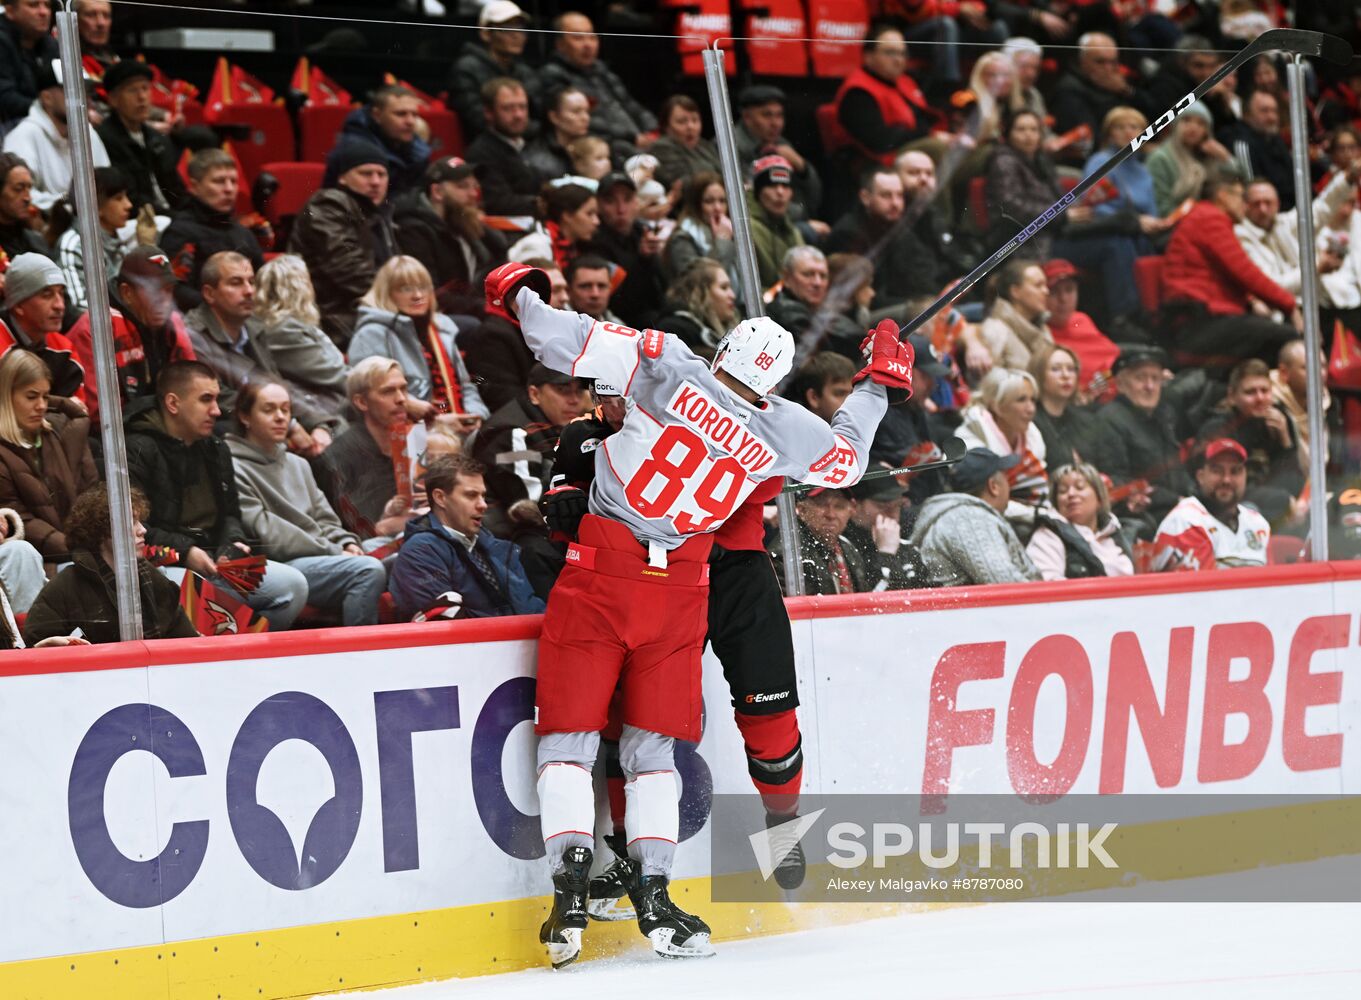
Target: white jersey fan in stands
(757, 352)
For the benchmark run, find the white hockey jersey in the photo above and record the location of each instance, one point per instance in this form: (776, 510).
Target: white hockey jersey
(691, 450)
(1192, 538)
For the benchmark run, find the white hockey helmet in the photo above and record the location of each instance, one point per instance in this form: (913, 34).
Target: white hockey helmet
(757, 352)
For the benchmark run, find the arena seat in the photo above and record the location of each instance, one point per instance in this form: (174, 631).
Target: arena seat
(446, 132)
(271, 132)
(297, 183)
(978, 202)
(318, 126)
(1282, 550)
(1148, 278)
(829, 129)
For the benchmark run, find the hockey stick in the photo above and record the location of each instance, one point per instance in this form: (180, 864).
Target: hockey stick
(953, 450)
(1294, 40)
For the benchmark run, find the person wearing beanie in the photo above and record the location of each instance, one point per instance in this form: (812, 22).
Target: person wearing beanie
(345, 233)
(390, 121)
(1182, 161)
(17, 235)
(35, 303)
(772, 229)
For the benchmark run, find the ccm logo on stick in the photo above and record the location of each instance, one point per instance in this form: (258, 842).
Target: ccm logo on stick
(1232, 676)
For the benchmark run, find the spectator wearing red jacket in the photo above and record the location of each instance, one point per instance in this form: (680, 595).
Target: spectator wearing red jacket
(1215, 294)
(1074, 329)
(148, 332)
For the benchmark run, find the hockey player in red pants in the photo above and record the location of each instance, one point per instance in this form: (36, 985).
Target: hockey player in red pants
(750, 633)
(629, 611)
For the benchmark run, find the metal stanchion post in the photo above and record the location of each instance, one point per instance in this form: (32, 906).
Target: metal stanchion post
(101, 329)
(1313, 340)
(717, 80)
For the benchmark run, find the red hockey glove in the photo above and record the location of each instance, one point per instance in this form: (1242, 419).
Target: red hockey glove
(505, 282)
(888, 361)
(563, 508)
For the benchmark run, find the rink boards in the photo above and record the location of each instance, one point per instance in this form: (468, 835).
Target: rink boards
(284, 815)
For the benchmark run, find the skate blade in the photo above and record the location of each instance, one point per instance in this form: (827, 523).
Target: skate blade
(696, 945)
(611, 909)
(565, 952)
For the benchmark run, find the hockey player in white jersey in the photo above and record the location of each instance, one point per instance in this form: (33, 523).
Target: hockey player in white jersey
(629, 611)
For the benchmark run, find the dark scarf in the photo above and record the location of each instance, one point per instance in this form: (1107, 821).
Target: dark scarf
(445, 391)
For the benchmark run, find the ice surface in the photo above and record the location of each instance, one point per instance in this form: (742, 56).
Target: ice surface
(1065, 950)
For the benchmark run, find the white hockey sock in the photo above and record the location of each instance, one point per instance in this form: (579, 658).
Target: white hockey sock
(652, 820)
(566, 810)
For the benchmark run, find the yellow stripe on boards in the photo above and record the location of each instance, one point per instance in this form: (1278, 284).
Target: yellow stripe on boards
(379, 952)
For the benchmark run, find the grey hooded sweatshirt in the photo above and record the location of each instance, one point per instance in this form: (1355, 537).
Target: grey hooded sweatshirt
(964, 541)
(281, 505)
(384, 334)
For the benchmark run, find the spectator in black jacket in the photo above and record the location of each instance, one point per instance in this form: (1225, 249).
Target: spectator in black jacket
(1183, 71)
(501, 54)
(1256, 144)
(84, 595)
(516, 445)
(511, 185)
(908, 434)
(800, 307)
(831, 563)
(875, 531)
(1089, 92)
(929, 217)
(186, 472)
(615, 113)
(633, 244)
(442, 227)
(26, 45)
(344, 234)
(1277, 463)
(1135, 440)
(875, 228)
(207, 224)
(17, 234)
(390, 121)
(760, 132)
(146, 157)
(568, 119)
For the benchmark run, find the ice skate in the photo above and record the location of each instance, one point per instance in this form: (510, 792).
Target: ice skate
(609, 899)
(790, 869)
(673, 932)
(561, 932)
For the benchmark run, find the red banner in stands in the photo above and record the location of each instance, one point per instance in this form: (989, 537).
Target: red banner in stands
(777, 46)
(233, 85)
(701, 22)
(839, 26)
(319, 88)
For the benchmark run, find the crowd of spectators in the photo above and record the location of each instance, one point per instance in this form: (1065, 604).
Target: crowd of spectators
(339, 398)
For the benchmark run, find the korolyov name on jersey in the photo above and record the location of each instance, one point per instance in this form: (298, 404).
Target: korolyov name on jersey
(992, 848)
